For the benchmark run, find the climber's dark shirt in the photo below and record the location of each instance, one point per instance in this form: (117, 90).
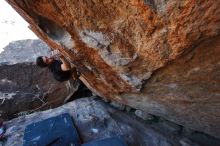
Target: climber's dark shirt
(58, 73)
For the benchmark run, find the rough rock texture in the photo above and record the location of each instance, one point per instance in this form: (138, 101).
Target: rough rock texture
(23, 90)
(120, 47)
(186, 91)
(93, 120)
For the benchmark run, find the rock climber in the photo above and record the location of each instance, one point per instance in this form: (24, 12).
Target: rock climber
(60, 68)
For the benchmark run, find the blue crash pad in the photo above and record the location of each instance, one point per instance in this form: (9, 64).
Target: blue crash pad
(55, 131)
(114, 141)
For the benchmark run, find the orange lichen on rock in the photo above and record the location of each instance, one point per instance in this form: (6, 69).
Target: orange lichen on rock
(119, 45)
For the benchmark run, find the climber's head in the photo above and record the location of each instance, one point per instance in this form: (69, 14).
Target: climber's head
(44, 61)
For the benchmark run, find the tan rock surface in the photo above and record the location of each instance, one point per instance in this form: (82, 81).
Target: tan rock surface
(186, 91)
(118, 45)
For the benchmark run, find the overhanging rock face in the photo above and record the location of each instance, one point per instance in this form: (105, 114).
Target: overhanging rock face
(120, 46)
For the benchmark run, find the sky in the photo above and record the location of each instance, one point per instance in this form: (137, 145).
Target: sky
(12, 26)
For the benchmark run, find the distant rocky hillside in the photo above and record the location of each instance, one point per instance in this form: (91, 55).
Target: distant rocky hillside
(23, 51)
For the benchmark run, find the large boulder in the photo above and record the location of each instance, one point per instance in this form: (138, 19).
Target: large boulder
(94, 120)
(25, 88)
(187, 91)
(123, 50)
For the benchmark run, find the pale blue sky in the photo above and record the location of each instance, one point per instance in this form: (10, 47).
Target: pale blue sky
(12, 26)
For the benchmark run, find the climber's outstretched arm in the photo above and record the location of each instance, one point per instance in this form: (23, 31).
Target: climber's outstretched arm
(65, 64)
